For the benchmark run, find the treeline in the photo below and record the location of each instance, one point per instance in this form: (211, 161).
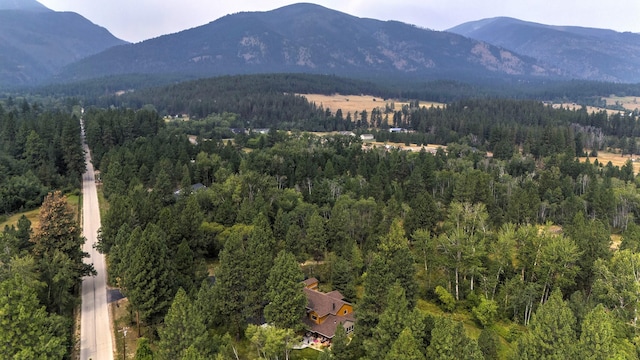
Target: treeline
(40, 269)
(469, 233)
(270, 101)
(40, 277)
(501, 126)
(156, 89)
(40, 150)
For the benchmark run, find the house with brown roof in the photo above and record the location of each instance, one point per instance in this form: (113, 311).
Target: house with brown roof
(326, 311)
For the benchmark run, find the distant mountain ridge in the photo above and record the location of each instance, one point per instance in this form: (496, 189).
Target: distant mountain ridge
(313, 39)
(30, 5)
(40, 45)
(583, 53)
(36, 42)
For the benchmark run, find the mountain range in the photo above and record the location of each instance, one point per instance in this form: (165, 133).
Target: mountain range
(312, 39)
(582, 53)
(38, 44)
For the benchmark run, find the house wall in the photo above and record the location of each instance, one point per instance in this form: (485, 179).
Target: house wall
(341, 312)
(343, 308)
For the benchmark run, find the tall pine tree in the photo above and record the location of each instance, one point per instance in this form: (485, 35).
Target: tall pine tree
(287, 301)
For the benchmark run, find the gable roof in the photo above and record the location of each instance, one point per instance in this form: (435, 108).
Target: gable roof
(310, 281)
(335, 294)
(322, 303)
(329, 326)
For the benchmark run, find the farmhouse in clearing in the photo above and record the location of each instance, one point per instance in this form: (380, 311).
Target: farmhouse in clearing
(326, 311)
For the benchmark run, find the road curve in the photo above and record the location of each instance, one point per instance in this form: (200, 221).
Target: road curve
(96, 341)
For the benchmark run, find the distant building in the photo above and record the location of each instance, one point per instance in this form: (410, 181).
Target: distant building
(326, 311)
(194, 188)
(397, 130)
(367, 137)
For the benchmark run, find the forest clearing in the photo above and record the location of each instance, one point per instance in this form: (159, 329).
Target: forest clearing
(615, 158)
(356, 103)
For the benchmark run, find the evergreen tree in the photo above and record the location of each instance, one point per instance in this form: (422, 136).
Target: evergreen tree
(489, 343)
(260, 246)
(287, 302)
(551, 332)
(342, 277)
(399, 262)
(59, 274)
(316, 239)
(143, 350)
(187, 273)
(593, 240)
(597, 337)
(23, 234)
(406, 347)
(149, 278)
(393, 320)
(26, 331)
(450, 342)
(230, 285)
(424, 214)
(183, 328)
(339, 344)
(376, 285)
(59, 230)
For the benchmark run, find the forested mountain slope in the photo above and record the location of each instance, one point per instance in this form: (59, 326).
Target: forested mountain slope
(583, 53)
(36, 42)
(312, 39)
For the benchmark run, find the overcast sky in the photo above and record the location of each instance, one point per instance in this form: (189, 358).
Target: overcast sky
(137, 20)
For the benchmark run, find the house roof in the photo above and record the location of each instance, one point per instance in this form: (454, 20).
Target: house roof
(329, 326)
(197, 186)
(322, 303)
(335, 294)
(310, 281)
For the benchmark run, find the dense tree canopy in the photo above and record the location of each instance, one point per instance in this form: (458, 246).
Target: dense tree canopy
(503, 224)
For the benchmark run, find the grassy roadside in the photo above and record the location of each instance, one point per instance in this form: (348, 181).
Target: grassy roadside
(75, 201)
(32, 215)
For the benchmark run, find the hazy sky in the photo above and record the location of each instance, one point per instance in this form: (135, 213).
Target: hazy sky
(137, 20)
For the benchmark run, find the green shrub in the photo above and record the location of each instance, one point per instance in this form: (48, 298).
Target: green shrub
(447, 301)
(486, 311)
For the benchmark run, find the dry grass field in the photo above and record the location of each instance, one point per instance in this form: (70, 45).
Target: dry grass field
(402, 146)
(33, 215)
(353, 103)
(627, 102)
(590, 109)
(616, 160)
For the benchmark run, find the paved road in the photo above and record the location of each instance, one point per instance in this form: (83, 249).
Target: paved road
(95, 326)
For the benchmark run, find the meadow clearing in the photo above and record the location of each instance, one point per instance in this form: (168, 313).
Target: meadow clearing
(353, 103)
(616, 159)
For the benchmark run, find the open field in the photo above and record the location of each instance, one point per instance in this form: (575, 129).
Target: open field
(33, 215)
(616, 159)
(413, 147)
(353, 103)
(627, 102)
(590, 109)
